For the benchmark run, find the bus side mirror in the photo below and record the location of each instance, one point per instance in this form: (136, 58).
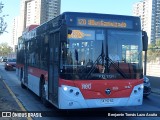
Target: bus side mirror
(69, 31)
(145, 40)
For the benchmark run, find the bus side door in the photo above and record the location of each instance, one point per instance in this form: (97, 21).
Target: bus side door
(53, 67)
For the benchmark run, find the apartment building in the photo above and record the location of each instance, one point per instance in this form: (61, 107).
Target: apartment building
(15, 32)
(38, 11)
(33, 12)
(149, 12)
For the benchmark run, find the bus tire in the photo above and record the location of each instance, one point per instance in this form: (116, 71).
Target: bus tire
(42, 92)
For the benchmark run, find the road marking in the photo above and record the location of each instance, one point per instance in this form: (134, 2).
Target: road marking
(15, 98)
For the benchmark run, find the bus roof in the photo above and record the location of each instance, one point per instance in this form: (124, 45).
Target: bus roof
(92, 20)
(102, 20)
(100, 15)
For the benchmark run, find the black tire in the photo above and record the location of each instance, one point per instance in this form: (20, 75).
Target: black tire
(146, 95)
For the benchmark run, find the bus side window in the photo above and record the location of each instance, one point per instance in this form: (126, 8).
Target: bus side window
(44, 52)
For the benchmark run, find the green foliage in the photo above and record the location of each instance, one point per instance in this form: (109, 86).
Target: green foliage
(151, 46)
(158, 42)
(5, 49)
(3, 24)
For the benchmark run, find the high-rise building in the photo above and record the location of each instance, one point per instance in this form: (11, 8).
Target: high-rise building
(34, 12)
(38, 11)
(15, 32)
(149, 12)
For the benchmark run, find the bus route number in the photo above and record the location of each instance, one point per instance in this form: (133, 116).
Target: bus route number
(82, 21)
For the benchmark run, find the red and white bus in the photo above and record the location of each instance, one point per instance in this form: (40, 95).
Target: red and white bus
(68, 61)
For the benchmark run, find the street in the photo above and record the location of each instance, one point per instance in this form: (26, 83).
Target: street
(155, 82)
(33, 103)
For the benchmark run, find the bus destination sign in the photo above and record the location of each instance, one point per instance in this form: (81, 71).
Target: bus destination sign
(104, 23)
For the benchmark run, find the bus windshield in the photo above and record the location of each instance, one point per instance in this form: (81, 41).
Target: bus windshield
(101, 54)
(124, 46)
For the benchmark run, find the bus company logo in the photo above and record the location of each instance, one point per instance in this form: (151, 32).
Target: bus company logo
(87, 86)
(108, 91)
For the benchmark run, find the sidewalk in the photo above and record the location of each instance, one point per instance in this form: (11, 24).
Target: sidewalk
(8, 102)
(155, 84)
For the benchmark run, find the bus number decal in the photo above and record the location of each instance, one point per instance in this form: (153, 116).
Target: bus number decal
(87, 86)
(82, 21)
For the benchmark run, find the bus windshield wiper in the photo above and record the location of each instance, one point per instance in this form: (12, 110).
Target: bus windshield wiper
(103, 59)
(119, 70)
(100, 59)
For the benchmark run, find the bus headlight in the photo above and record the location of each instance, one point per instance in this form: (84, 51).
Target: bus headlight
(139, 88)
(142, 86)
(65, 88)
(71, 90)
(77, 93)
(135, 91)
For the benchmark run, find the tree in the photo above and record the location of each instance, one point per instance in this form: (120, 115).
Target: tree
(5, 49)
(158, 42)
(153, 51)
(3, 24)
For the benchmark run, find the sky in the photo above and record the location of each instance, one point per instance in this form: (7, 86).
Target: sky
(121, 7)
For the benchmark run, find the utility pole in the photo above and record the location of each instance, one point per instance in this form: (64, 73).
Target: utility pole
(145, 62)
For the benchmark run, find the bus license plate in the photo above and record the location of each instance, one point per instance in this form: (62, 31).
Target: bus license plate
(107, 101)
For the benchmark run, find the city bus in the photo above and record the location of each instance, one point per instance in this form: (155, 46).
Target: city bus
(67, 61)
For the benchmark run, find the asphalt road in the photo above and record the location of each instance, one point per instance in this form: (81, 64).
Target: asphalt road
(155, 82)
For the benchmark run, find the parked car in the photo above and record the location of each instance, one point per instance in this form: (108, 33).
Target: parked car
(147, 87)
(3, 59)
(10, 64)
